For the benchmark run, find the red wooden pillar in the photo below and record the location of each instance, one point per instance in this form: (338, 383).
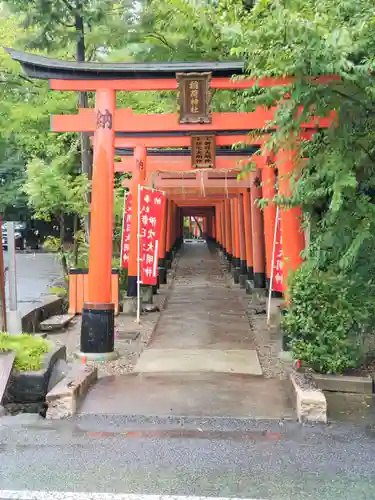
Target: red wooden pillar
(228, 231)
(233, 234)
(236, 232)
(138, 178)
(248, 234)
(241, 224)
(257, 227)
(169, 242)
(223, 235)
(162, 243)
(210, 225)
(182, 227)
(218, 223)
(176, 226)
(213, 227)
(204, 227)
(269, 212)
(173, 229)
(97, 330)
(293, 239)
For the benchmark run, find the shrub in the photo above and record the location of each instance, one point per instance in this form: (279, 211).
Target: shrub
(29, 350)
(327, 319)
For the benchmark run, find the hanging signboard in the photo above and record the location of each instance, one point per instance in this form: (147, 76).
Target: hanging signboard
(125, 236)
(151, 204)
(194, 97)
(277, 274)
(203, 151)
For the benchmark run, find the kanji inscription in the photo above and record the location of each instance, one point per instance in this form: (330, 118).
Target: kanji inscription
(194, 97)
(125, 238)
(277, 282)
(151, 205)
(203, 151)
(104, 120)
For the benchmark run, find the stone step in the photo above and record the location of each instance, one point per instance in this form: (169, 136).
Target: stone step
(56, 323)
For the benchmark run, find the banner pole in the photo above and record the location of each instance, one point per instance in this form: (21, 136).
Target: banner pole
(139, 256)
(122, 232)
(272, 268)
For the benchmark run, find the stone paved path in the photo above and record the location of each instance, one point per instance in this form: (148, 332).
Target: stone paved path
(201, 359)
(205, 328)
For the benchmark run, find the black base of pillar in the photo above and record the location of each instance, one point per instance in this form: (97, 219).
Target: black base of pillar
(243, 267)
(132, 286)
(162, 276)
(274, 295)
(259, 280)
(97, 328)
(250, 273)
(236, 275)
(236, 262)
(229, 261)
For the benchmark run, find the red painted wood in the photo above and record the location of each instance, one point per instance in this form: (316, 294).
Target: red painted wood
(126, 121)
(171, 84)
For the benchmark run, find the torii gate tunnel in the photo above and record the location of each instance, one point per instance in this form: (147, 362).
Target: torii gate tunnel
(199, 176)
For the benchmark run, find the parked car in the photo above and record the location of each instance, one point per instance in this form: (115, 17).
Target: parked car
(24, 236)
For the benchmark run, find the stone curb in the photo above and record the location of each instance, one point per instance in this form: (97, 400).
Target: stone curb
(343, 383)
(51, 306)
(63, 400)
(310, 402)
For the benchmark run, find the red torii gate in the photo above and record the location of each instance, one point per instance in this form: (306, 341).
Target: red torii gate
(144, 131)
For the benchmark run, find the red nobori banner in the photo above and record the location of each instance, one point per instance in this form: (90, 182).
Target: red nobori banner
(125, 237)
(151, 204)
(277, 279)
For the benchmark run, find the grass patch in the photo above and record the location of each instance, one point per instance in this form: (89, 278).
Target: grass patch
(29, 350)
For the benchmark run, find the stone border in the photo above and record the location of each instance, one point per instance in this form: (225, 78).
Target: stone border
(63, 400)
(344, 383)
(32, 387)
(310, 402)
(53, 305)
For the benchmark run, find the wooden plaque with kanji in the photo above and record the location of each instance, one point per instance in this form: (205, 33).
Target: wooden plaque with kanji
(194, 97)
(203, 151)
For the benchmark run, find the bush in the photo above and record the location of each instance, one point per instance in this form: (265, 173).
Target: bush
(29, 350)
(327, 319)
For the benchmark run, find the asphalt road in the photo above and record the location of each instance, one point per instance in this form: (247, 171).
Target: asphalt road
(35, 274)
(258, 460)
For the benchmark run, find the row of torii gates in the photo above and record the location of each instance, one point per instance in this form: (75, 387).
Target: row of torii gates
(158, 150)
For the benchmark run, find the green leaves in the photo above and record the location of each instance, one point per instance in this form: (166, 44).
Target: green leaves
(327, 320)
(53, 189)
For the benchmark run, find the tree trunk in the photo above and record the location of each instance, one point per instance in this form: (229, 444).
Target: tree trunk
(75, 241)
(86, 156)
(64, 262)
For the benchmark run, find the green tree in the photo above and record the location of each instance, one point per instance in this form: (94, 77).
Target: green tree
(71, 28)
(55, 190)
(306, 39)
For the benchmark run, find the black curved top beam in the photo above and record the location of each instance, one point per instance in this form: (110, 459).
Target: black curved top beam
(46, 68)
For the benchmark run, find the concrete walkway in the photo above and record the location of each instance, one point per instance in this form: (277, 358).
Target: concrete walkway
(201, 360)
